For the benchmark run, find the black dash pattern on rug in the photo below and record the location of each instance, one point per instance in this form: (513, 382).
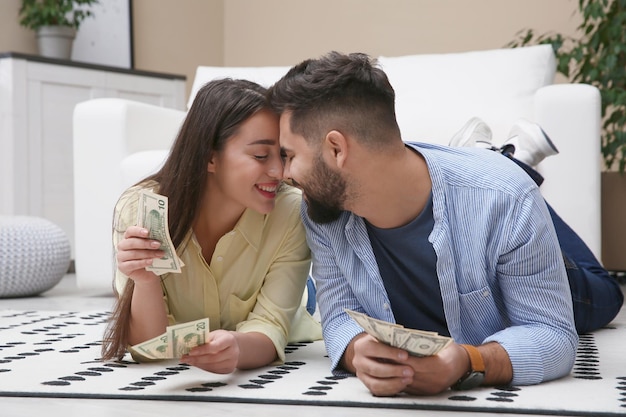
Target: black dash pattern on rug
(57, 354)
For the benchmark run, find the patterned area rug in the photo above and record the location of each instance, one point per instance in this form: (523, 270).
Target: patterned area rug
(55, 354)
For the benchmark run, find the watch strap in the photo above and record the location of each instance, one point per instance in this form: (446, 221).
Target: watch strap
(476, 359)
(476, 374)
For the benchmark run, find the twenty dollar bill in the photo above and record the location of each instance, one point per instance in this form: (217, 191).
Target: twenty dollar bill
(177, 340)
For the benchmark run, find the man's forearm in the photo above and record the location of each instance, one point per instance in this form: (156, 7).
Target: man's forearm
(348, 355)
(498, 369)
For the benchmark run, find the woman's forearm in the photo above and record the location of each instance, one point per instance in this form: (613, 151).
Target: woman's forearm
(255, 350)
(148, 317)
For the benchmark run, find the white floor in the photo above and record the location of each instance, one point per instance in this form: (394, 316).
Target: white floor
(66, 296)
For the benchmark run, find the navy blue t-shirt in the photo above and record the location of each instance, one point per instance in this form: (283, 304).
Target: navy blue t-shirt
(408, 266)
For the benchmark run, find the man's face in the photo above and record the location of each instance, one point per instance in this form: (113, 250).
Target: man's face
(323, 189)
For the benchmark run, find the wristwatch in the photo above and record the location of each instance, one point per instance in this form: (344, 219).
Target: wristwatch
(476, 375)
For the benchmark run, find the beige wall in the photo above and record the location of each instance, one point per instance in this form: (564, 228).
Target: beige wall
(175, 36)
(286, 31)
(13, 37)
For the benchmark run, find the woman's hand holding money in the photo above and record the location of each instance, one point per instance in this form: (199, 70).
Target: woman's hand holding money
(219, 355)
(226, 351)
(135, 252)
(148, 315)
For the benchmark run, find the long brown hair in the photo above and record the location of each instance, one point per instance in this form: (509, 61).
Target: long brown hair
(218, 110)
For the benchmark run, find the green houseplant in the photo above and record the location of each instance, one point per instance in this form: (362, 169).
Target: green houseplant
(55, 21)
(598, 58)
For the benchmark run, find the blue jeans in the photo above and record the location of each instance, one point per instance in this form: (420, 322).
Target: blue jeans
(596, 296)
(310, 302)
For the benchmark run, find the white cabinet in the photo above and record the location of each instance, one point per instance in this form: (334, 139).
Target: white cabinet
(37, 99)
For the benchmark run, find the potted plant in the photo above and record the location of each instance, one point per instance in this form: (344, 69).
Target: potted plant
(55, 23)
(598, 57)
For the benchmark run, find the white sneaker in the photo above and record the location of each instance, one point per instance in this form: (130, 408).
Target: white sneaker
(474, 133)
(531, 143)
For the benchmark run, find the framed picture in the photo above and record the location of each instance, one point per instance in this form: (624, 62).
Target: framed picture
(106, 37)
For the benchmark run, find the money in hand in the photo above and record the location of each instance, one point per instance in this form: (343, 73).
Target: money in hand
(152, 215)
(185, 336)
(177, 340)
(416, 342)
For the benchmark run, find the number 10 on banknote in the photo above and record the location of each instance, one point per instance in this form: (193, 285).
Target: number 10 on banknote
(152, 214)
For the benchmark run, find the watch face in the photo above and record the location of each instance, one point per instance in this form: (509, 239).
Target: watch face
(473, 380)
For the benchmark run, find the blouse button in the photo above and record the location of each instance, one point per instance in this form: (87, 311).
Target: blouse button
(219, 258)
(386, 306)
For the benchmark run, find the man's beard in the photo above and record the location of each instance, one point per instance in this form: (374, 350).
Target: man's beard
(325, 194)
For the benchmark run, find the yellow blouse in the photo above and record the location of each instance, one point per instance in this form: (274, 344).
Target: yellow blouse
(256, 278)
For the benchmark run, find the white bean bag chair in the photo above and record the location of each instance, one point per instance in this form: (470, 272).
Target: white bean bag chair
(34, 255)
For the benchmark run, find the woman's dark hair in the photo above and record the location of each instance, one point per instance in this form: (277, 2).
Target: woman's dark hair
(218, 110)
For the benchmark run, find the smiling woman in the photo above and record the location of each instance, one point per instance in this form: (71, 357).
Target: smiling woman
(236, 229)
(251, 156)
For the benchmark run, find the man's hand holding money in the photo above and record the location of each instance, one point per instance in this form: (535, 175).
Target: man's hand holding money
(387, 370)
(390, 359)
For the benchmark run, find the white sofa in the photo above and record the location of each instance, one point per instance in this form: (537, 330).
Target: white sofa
(117, 142)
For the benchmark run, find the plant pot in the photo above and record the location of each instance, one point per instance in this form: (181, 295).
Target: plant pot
(614, 221)
(56, 41)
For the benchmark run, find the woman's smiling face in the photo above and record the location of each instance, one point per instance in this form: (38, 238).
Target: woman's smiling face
(249, 169)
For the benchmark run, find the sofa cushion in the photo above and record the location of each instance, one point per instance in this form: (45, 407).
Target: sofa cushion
(137, 166)
(436, 94)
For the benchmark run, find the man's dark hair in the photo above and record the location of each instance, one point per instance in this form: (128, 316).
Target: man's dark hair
(348, 93)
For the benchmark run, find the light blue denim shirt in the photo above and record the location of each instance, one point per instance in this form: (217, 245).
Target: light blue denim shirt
(499, 265)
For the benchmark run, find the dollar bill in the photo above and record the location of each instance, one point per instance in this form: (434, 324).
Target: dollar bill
(156, 348)
(419, 343)
(152, 215)
(185, 336)
(177, 341)
(381, 330)
(416, 342)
